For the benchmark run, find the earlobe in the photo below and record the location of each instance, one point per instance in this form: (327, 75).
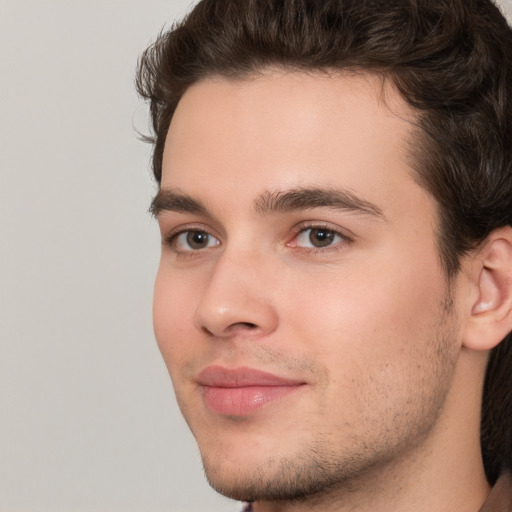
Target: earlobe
(491, 312)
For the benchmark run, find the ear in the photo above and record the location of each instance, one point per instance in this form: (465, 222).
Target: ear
(491, 275)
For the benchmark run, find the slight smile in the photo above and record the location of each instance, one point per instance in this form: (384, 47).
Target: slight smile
(241, 391)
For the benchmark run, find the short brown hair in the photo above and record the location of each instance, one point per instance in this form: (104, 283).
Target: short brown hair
(451, 60)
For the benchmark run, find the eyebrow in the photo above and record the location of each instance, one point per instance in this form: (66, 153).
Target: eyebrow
(306, 198)
(296, 199)
(175, 201)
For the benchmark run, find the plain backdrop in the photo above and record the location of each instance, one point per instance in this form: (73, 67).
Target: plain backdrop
(88, 421)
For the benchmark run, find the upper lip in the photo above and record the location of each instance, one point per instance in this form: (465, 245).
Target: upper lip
(217, 376)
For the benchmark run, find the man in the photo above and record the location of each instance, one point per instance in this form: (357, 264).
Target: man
(335, 290)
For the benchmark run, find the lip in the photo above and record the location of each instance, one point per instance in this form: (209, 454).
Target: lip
(241, 391)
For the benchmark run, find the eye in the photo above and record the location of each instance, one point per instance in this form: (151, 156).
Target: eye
(317, 238)
(193, 240)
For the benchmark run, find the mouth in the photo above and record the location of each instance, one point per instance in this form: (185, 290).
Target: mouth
(241, 391)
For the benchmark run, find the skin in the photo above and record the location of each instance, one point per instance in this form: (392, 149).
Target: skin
(389, 406)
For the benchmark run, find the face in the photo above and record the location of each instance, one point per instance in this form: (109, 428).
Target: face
(300, 305)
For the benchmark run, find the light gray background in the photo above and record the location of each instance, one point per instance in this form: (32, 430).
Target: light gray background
(88, 420)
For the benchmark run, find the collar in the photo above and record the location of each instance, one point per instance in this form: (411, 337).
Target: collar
(500, 497)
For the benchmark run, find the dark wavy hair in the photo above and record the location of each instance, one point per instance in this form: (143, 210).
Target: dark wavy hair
(451, 60)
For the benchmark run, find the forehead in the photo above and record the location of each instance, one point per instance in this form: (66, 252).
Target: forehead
(279, 130)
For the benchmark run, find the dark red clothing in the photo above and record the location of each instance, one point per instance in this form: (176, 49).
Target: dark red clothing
(500, 497)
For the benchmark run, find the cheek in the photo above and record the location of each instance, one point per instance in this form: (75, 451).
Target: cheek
(172, 317)
(381, 342)
(373, 315)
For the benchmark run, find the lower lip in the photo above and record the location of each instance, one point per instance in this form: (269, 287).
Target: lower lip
(244, 400)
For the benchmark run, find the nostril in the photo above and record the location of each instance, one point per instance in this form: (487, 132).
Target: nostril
(238, 326)
(241, 328)
(207, 331)
(247, 325)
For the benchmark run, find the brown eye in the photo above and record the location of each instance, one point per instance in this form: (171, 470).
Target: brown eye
(193, 240)
(321, 237)
(318, 238)
(197, 239)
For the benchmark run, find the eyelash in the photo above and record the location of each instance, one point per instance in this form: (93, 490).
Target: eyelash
(302, 229)
(171, 241)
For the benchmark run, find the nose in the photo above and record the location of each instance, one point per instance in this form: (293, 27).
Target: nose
(237, 299)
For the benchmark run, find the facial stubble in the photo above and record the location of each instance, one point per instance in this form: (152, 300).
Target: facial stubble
(321, 468)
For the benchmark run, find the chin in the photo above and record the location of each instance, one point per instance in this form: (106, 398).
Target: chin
(294, 478)
(250, 468)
